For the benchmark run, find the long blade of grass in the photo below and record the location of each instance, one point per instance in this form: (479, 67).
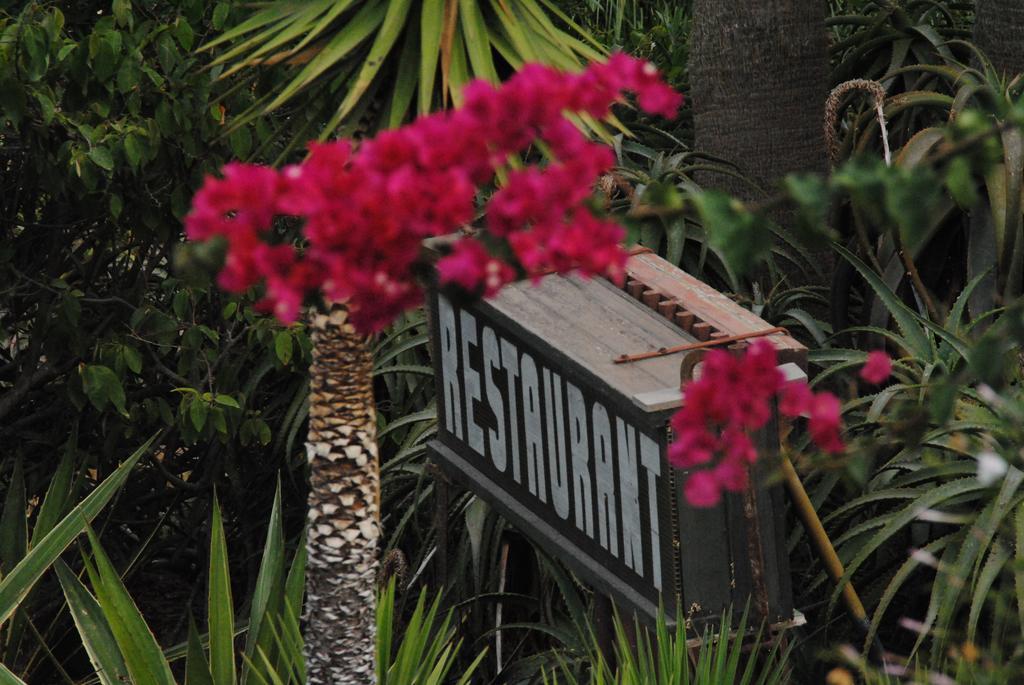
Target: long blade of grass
(142, 654)
(14, 520)
(268, 582)
(57, 494)
(357, 30)
(99, 641)
(22, 577)
(221, 613)
(406, 75)
(197, 668)
(390, 28)
(431, 26)
(475, 31)
(8, 678)
(274, 12)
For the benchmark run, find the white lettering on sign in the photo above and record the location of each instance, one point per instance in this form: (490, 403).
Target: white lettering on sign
(607, 527)
(510, 362)
(580, 460)
(558, 468)
(650, 457)
(471, 379)
(629, 495)
(492, 363)
(449, 367)
(589, 467)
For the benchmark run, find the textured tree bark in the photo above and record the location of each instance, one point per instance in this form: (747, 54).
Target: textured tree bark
(999, 32)
(759, 79)
(344, 506)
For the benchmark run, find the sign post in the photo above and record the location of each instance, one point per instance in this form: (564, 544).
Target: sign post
(537, 418)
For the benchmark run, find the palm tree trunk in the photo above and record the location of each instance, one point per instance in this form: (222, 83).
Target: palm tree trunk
(998, 29)
(344, 506)
(759, 79)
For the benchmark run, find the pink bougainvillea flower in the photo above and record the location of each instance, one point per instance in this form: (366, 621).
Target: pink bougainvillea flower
(703, 489)
(731, 474)
(877, 368)
(365, 209)
(826, 422)
(692, 447)
(796, 399)
(471, 266)
(733, 397)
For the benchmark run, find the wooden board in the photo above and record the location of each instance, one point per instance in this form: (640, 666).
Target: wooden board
(592, 322)
(533, 417)
(707, 304)
(523, 376)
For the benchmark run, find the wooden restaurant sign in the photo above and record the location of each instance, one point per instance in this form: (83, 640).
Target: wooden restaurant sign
(537, 418)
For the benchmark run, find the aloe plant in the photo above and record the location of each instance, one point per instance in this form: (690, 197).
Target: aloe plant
(924, 432)
(935, 90)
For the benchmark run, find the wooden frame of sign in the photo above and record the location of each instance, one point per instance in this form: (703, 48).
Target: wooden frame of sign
(536, 417)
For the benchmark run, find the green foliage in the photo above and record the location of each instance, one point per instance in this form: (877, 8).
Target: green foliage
(428, 647)
(108, 123)
(336, 57)
(121, 645)
(21, 573)
(23, 564)
(922, 439)
(934, 103)
(664, 657)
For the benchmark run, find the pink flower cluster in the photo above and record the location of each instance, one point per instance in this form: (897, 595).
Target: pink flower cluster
(366, 210)
(877, 368)
(732, 398)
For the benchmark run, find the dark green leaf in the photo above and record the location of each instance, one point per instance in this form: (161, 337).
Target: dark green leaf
(102, 386)
(128, 76)
(220, 15)
(102, 158)
(241, 142)
(960, 182)
(167, 53)
(132, 358)
(283, 346)
(183, 32)
(123, 12)
(811, 195)
(198, 411)
(740, 236)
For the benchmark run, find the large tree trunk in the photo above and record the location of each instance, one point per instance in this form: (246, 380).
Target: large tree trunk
(344, 506)
(999, 32)
(759, 79)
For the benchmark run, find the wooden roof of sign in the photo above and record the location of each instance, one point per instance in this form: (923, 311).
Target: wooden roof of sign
(596, 325)
(698, 308)
(592, 322)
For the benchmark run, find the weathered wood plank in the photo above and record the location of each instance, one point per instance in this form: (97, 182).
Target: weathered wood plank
(707, 304)
(593, 322)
